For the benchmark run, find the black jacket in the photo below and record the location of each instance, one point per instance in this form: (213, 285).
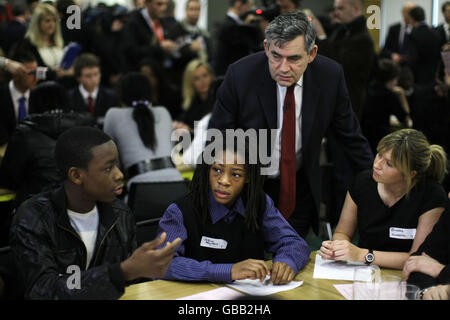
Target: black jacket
(44, 245)
(437, 246)
(352, 46)
(28, 165)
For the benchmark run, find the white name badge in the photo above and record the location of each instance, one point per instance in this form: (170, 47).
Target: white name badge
(213, 243)
(399, 233)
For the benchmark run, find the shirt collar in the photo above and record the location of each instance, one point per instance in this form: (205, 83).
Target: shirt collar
(219, 211)
(299, 83)
(146, 17)
(235, 17)
(86, 94)
(16, 94)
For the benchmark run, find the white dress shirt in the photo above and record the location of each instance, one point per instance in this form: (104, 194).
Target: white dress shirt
(281, 94)
(85, 94)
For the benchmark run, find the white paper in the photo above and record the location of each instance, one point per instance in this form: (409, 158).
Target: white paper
(256, 288)
(336, 270)
(222, 293)
(346, 290)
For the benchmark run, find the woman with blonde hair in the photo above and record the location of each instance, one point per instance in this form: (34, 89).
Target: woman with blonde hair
(44, 39)
(197, 79)
(394, 206)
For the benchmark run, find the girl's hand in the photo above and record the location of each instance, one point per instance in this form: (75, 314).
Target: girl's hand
(250, 269)
(344, 250)
(326, 250)
(281, 273)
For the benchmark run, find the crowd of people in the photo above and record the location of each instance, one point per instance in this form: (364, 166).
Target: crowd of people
(88, 111)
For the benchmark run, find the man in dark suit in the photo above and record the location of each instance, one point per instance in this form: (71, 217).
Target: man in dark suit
(90, 96)
(397, 38)
(423, 52)
(145, 34)
(303, 94)
(14, 95)
(443, 30)
(235, 38)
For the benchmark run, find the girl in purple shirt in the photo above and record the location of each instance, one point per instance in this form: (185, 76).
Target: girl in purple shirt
(227, 224)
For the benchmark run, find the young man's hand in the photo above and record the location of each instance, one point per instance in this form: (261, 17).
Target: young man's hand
(149, 262)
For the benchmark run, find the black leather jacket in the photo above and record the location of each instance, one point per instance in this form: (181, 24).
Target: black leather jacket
(44, 245)
(29, 166)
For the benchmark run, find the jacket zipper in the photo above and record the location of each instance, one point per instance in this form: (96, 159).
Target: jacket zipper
(101, 243)
(78, 237)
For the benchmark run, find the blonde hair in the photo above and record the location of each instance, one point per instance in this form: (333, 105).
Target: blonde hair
(188, 80)
(411, 151)
(34, 33)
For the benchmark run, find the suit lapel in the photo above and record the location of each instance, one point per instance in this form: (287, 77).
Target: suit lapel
(311, 91)
(267, 95)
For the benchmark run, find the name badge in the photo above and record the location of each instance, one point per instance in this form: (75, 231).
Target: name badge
(213, 243)
(399, 233)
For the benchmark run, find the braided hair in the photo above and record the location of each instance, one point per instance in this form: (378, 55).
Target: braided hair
(252, 194)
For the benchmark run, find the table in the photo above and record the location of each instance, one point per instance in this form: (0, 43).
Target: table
(311, 289)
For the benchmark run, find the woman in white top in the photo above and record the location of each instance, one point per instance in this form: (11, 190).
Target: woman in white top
(142, 133)
(44, 39)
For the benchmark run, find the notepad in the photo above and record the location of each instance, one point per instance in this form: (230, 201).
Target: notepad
(222, 293)
(335, 270)
(256, 288)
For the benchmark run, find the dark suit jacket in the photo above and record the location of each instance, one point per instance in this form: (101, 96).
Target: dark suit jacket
(234, 41)
(106, 98)
(139, 40)
(391, 45)
(423, 54)
(248, 99)
(7, 118)
(352, 46)
(440, 32)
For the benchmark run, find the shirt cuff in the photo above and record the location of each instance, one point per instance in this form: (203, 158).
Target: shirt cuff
(220, 273)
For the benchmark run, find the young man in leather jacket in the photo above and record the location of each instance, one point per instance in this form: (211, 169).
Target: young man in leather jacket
(78, 241)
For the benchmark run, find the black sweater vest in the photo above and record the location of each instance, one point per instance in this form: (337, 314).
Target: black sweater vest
(242, 243)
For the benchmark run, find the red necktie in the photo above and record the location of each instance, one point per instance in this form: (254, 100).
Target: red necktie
(286, 203)
(158, 30)
(91, 105)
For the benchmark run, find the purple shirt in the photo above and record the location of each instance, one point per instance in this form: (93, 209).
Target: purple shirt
(279, 237)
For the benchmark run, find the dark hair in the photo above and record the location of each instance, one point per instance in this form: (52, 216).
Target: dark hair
(85, 60)
(417, 13)
(444, 5)
(73, 148)
(387, 70)
(18, 8)
(252, 194)
(136, 92)
(232, 2)
(49, 95)
(23, 56)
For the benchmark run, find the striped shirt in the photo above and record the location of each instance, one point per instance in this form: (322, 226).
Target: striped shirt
(280, 239)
